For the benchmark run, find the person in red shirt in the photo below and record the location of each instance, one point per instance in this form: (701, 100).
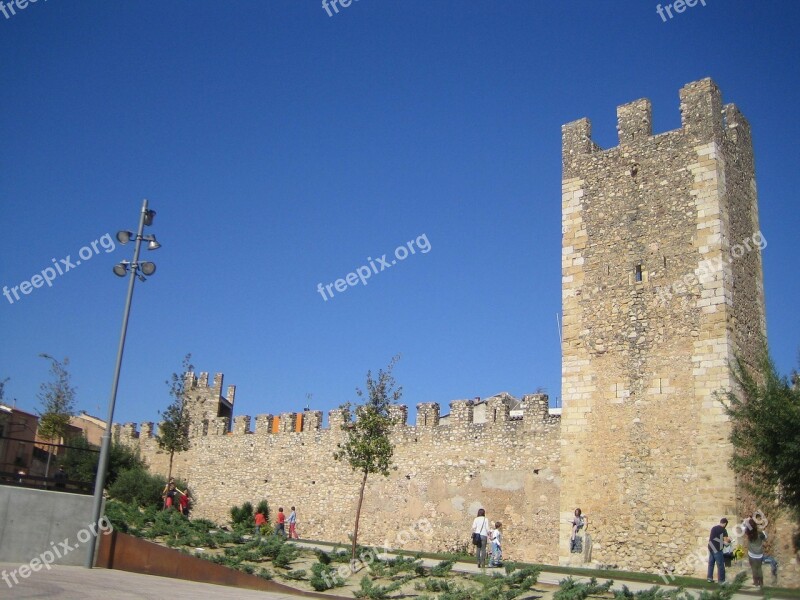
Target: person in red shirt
(260, 522)
(280, 527)
(183, 503)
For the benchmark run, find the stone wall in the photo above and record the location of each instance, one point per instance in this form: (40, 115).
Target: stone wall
(444, 474)
(658, 297)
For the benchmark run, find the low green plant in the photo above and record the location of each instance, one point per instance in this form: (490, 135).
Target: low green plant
(442, 569)
(286, 554)
(570, 589)
(322, 556)
(324, 577)
(372, 591)
(296, 575)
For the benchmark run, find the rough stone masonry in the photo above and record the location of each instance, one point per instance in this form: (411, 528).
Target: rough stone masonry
(642, 444)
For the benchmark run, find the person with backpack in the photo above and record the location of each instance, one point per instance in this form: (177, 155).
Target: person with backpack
(579, 521)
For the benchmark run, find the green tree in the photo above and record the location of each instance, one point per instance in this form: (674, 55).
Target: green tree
(81, 458)
(367, 447)
(58, 403)
(173, 435)
(765, 418)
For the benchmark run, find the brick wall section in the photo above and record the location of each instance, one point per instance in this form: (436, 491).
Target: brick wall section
(444, 474)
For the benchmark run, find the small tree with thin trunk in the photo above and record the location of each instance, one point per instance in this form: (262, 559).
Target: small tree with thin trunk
(58, 404)
(173, 435)
(367, 447)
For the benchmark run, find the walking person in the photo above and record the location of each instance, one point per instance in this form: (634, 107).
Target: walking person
(480, 536)
(183, 503)
(717, 540)
(280, 524)
(260, 520)
(496, 535)
(293, 524)
(755, 551)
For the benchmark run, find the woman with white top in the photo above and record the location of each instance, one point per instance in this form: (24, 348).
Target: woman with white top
(481, 526)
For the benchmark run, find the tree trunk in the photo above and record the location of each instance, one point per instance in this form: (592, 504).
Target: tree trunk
(171, 456)
(358, 515)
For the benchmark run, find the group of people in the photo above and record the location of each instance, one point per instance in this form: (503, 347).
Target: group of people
(482, 535)
(280, 523)
(175, 498)
(720, 544)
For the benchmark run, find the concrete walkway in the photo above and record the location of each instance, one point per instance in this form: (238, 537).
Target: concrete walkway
(79, 583)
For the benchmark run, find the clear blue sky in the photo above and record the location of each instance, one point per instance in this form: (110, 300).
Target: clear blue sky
(282, 147)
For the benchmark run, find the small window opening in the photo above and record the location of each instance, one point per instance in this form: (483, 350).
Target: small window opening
(638, 273)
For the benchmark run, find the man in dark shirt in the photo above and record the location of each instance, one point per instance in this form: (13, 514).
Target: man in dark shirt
(717, 539)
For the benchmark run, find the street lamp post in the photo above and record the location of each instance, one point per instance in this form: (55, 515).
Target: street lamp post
(135, 270)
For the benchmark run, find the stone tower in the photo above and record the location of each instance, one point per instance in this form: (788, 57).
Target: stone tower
(208, 408)
(661, 286)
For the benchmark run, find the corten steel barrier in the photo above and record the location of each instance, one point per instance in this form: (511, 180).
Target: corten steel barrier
(127, 553)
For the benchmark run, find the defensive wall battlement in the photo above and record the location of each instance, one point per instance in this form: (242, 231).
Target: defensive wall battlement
(447, 466)
(703, 118)
(535, 416)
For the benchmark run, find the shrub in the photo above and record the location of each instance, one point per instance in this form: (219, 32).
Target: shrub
(569, 589)
(442, 569)
(286, 555)
(323, 577)
(242, 516)
(322, 556)
(263, 507)
(137, 487)
(378, 592)
(296, 575)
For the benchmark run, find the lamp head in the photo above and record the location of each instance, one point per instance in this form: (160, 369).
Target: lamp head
(123, 237)
(147, 268)
(153, 245)
(121, 269)
(149, 215)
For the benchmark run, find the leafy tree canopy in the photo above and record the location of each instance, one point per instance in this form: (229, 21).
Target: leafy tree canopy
(57, 398)
(765, 417)
(173, 435)
(367, 447)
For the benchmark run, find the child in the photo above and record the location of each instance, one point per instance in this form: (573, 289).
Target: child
(496, 535)
(260, 520)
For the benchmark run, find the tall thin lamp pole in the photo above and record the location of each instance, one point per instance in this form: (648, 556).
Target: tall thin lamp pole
(105, 445)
